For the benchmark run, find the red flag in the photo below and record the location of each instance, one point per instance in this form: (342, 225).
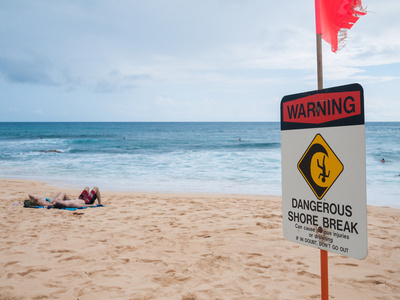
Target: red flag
(333, 17)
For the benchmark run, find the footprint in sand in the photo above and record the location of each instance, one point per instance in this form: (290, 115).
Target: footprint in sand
(33, 271)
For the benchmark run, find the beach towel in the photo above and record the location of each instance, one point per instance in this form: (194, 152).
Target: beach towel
(29, 205)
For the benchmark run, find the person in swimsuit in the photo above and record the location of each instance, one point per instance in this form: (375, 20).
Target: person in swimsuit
(85, 198)
(62, 200)
(44, 201)
(89, 198)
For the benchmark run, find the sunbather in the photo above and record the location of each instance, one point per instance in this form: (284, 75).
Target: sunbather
(85, 198)
(62, 200)
(43, 201)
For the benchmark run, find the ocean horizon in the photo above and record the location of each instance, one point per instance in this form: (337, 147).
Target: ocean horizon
(177, 157)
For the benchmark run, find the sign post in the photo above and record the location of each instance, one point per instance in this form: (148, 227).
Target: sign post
(323, 171)
(331, 16)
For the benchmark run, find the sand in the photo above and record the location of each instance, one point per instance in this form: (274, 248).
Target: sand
(179, 246)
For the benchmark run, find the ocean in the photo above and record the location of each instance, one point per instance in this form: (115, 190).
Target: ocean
(221, 157)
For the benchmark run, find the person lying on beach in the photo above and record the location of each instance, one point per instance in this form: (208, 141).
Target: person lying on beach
(43, 201)
(85, 198)
(62, 200)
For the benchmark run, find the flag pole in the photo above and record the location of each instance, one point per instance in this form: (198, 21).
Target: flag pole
(323, 253)
(319, 62)
(319, 42)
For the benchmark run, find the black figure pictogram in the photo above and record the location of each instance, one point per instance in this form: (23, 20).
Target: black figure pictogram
(323, 170)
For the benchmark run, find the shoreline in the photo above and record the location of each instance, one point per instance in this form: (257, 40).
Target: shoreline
(179, 246)
(74, 190)
(40, 186)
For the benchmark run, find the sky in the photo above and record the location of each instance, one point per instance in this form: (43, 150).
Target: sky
(185, 60)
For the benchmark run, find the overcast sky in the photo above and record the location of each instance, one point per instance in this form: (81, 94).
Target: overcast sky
(184, 60)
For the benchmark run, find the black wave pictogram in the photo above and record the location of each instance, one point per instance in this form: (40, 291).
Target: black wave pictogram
(305, 167)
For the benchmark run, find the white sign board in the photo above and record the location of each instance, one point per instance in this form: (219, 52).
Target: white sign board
(323, 170)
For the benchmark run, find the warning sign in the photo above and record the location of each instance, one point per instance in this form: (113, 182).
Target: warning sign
(320, 166)
(323, 170)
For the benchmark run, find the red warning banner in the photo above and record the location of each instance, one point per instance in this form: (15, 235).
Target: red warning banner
(328, 106)
(321, 108)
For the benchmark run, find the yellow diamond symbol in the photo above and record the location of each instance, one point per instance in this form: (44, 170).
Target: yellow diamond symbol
(320, 166)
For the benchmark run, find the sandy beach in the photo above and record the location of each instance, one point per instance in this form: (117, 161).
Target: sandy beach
(179, 246)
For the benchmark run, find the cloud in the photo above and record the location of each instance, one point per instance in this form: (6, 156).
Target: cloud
(116, 82)
(31, 70)
(136, 77)
(38, 112)
(187, 59)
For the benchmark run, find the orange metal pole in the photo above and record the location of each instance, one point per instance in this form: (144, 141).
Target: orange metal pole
(323, 253)
(324, 275)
